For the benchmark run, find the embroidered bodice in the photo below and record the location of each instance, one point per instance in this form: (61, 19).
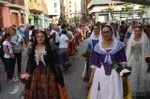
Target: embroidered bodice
(136, 49)
(107, 57)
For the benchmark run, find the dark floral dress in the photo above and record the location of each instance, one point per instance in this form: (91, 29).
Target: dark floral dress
(44, 83)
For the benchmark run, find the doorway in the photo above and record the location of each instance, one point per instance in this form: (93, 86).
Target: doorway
(15, 19)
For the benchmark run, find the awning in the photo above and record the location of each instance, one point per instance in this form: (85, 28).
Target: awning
(142, 2)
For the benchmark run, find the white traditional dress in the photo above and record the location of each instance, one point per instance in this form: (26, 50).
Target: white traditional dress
(107, 83)
(136, 53)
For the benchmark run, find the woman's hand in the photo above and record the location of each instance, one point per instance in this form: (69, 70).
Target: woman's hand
(124, 78)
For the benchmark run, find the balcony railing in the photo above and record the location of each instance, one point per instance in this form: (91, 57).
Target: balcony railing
(17, 2)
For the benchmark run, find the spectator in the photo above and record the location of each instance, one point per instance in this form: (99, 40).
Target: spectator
(17, 45)
(63, 47)
(8, 57)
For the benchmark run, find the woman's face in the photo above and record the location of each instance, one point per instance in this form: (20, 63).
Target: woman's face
(8, 38)
(12, 32)
(47, 32)
(96, 29)
(107, 33)
(137, 32)
(40, 38)
(133, 25)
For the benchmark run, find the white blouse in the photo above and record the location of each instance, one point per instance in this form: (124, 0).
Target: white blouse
(39, 57)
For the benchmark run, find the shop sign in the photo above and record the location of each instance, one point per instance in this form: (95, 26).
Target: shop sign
(35, 6)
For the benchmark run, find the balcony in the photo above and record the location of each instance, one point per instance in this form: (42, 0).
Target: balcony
(35, 7)
(144, 2)
(4, 1)
(18, 2)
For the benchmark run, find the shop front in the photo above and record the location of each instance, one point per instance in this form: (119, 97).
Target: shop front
(35, 13)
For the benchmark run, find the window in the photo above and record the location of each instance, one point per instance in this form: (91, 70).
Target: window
(55, 5)
(55, 10)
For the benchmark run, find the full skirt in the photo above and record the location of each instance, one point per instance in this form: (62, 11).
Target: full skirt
(106, 86)
(44, 86)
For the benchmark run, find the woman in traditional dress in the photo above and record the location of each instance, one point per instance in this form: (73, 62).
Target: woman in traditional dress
(109, 54)
(137, 50)
(129, 32)
(46, 77)
(93, 40)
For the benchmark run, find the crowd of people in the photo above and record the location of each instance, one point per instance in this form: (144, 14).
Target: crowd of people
(48, 52)
(115, 54)
(118, 64)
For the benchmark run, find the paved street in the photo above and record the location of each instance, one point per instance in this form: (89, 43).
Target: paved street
(74, 83)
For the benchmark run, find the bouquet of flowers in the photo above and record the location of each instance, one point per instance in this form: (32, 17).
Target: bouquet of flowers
(24, 78)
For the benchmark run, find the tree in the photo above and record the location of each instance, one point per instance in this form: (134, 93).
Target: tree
(144, 9)
(85, 18)
(128, 8)
(75, 19)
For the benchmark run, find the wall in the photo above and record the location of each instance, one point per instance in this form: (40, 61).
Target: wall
(51, 9)
(6, 17)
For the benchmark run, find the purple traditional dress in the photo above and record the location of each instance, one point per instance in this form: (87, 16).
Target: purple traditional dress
(107, 83)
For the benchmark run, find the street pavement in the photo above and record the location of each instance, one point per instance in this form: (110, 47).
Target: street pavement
(73, 77)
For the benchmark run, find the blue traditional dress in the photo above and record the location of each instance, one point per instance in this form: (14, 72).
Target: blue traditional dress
(107, 83)
(92, 42)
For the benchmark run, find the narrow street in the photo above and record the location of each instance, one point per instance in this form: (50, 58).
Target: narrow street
(73, 77)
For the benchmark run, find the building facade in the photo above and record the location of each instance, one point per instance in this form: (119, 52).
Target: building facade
(35, 8)
(99, 9)
(62, 12)
(53, 10)
(115, 10)
(42, 12)
(84, 10)
(12, 12)
(143, 2)
(68, 9)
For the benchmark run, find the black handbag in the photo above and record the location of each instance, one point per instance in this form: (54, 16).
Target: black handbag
(124, 71)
